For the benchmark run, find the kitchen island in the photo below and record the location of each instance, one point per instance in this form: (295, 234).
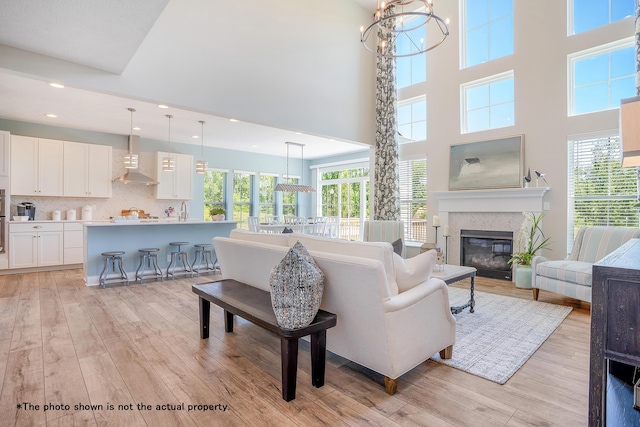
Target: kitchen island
(129, 236)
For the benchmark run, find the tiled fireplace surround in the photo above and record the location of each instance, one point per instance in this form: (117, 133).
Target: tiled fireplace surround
(496, 209)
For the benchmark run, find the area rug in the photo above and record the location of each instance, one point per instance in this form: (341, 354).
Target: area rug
(496, 340)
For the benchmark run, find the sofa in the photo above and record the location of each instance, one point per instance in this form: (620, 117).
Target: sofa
(391, 315)
(572, 277)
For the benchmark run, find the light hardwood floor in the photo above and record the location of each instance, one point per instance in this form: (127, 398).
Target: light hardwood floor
(64, 343)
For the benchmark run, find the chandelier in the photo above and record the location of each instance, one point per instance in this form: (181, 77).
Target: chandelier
(295, 188)
(396, 26)
(131, 158)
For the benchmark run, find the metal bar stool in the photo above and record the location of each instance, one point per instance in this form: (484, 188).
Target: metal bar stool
(149, 258)
(178, 256)
(203, 254)
(113, 258)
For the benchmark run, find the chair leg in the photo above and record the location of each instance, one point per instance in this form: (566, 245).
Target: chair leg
(390, 385)
(536, 293)
(123, 275)
(447, 353)
(104, 273)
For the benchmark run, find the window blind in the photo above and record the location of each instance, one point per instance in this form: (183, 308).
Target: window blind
(413, 198)
(600, 191)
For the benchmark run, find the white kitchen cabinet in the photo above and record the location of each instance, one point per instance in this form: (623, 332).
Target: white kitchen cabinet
(36, 166)
(178, 184)
(5, 141)
(87, 171)
(73, 243)
(35, 245)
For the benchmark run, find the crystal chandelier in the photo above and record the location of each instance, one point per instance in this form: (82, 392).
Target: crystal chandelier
(168, 162)
(201, 165)
(395, 26)
(131, 159)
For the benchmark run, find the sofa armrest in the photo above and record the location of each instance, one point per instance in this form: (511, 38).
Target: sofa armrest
(415, 295)
(534, 263)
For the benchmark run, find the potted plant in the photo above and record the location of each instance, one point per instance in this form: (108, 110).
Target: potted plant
(530, 240)
(216, 213)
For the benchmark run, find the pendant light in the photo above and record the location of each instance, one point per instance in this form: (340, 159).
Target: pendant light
(168, 162)
(131, 159)
(295, 188)
(201, 165)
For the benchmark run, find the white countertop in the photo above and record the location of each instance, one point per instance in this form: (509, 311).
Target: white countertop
(153, 222)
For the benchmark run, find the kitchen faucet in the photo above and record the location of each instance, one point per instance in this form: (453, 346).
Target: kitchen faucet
(184, 215)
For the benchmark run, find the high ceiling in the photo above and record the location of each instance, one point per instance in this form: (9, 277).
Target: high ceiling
(106, 36)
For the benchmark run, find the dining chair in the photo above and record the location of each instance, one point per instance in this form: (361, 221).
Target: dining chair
(319, 225)
(254, 224)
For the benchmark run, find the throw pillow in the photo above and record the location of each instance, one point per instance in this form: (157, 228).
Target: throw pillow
(296, 289)
(397, 246)
(413, 271)
(287, 230)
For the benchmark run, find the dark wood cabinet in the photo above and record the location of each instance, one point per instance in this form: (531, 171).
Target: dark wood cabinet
(615, 334)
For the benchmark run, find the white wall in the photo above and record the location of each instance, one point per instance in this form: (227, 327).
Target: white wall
(540, 68)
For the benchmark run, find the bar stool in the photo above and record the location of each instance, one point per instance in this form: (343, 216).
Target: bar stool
(203, 254)
(113, 258)
(149, 258)
(178, 256)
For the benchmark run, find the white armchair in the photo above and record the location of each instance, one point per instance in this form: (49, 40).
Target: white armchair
(384, 231)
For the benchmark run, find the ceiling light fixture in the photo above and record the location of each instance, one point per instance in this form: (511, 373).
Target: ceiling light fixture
(56, 85)
(233, 120)
(201, 165)
(51, 115)
(295, 188)
(163, 106)
(168, 162)
(396, 28)
(131, 158)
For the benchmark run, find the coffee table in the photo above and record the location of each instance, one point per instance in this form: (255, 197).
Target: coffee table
(454, 273)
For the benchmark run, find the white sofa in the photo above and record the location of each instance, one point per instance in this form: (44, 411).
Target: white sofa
(379, 326)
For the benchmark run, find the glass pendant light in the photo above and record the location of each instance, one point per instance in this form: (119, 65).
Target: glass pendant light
(131, 159)
(168, 162)
(201, 165)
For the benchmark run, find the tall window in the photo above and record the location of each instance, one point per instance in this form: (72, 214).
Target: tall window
(589, 14)
(267, 199)
(488, 103)
(215, 183)
(412, 119)
(600, 191)
(290, 200)
(411, 69)
(600, 77)
(413, 198)
(488, 30)
(242, 200)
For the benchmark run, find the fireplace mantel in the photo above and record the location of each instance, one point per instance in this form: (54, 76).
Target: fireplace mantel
(491, 200)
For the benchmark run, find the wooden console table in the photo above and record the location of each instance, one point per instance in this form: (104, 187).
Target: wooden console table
(615, 332)
(254, 305)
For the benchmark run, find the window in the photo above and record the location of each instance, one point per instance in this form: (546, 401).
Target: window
(411, 69)
(488, 103)
(600, 77)
(412, 119)
(413, 199)
(215, 183)
(242, 200)
(344, 192)
(589, 14)
(267, 199)
(290, 200)
(488, 30)
(600, 191)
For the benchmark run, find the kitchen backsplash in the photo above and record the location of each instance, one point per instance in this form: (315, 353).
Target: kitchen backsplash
(124, 196)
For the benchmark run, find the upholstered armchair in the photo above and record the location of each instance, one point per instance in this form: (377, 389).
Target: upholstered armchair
(572, 277)
(384, 231)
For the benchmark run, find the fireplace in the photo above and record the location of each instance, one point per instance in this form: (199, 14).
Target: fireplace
(487, 251)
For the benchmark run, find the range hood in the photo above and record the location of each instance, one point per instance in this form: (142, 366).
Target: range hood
(131, 176)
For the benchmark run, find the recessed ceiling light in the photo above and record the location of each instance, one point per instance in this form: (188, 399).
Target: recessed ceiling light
(53, 116)
(298, 133)
(195, 136)
(254, 145)
(163, 106)
(136, 128)
(233, 120)
(56, 85)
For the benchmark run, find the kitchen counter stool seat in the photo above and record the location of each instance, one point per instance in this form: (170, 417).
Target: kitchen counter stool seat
(149, 259)
(204, 255)
(178, 256)
(113, 259)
